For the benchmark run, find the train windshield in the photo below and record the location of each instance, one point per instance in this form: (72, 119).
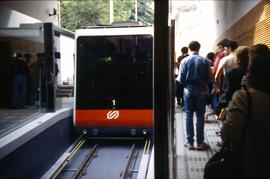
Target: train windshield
(114, 71)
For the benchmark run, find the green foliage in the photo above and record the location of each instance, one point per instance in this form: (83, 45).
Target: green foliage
(122, 10)
(78, 14)
(81, 13)
(145, 12)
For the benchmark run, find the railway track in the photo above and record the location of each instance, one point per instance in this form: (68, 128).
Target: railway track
(98, 159)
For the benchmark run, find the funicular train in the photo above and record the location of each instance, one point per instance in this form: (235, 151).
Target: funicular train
(114, 81)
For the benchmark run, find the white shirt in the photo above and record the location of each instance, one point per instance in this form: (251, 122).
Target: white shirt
(226, 64)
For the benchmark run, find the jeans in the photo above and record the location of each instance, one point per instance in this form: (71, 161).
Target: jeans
(179, 93)
(214, 101)
(19, 90)
(214, 97)
(194, 103)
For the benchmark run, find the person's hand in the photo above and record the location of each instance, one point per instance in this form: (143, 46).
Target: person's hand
(216, 91)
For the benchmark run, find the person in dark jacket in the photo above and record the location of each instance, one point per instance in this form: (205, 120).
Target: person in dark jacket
(19, 89)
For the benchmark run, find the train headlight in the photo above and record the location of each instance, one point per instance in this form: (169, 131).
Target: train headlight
(144, 131)
(84, 131)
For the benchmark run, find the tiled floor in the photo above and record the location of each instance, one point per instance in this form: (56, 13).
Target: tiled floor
(12, 119)
(190, 163)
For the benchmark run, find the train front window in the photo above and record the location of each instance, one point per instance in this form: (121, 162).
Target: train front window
(114, 71)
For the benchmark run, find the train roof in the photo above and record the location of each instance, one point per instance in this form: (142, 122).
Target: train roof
(115, 31)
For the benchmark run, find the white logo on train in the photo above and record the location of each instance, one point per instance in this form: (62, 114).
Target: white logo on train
(112, 115)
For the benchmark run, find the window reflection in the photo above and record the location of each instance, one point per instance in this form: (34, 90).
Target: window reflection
(20, 76)
(112, 68)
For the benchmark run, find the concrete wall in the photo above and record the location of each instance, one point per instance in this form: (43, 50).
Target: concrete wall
(194, 21)
(12, 18)
(12, 13)
(210, 21)
(228, 12)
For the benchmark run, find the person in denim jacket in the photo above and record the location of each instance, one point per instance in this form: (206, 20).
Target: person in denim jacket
(195, 77)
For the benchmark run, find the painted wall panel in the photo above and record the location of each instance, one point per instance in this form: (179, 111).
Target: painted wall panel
(12, 13)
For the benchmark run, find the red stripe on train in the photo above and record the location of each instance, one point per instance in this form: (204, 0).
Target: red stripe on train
(114, 118)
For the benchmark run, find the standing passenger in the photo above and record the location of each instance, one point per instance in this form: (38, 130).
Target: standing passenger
(210, 99)
(195, 76)
(226, 63)
(20, 71)
(28, 60)
(232, 79)
(184, 51)
(210, 57)
(255, 50)
(180, 88)
(219, 55)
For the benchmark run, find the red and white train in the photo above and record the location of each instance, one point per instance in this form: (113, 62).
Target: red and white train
(114, 81)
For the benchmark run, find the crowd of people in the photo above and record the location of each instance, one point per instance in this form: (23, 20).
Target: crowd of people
(25, 82)
(223, 79)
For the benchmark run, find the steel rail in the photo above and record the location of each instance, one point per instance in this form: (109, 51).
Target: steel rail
(79, 142)
(145, 146)
(126, 172)
(148, 148)
(88, 159)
